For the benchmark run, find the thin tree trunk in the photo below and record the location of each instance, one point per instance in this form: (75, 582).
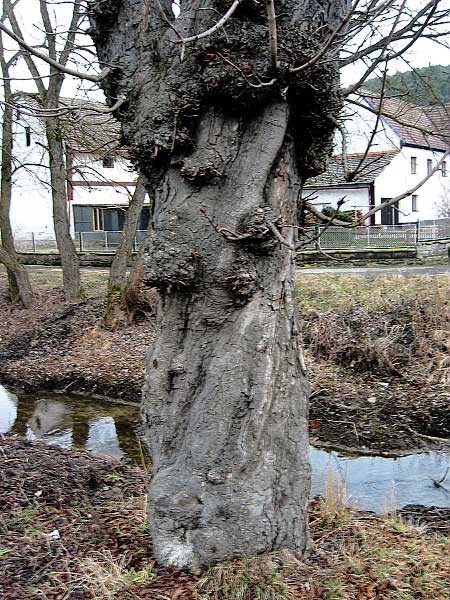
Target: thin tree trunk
(117, 281)
(5, 199)
(20, 274)
(19, 283)
(66, 247)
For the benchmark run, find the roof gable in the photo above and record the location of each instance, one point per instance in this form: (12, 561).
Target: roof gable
(339, 168)
(423, 126)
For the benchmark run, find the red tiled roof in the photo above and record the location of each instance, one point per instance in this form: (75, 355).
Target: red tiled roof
(426, 126)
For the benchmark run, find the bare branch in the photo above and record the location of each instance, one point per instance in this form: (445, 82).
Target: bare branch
(329, 42)
(53, 63)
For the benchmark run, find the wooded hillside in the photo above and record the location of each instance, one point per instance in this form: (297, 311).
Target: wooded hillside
(425, 86)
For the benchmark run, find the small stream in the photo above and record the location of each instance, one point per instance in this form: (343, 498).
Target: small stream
(372, 483)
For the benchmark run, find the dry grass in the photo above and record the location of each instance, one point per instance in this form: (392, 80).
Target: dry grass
(380, 325)
(354, 557)
(257, 578)
(103, 575)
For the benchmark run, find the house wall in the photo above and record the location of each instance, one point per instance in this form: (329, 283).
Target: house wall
(359, 123)
(31, 205)
(397, 178)
(355, 198)
(93, 184)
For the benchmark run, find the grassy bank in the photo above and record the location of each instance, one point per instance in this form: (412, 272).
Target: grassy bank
(377, 350)
(378, 354)
(73, 526)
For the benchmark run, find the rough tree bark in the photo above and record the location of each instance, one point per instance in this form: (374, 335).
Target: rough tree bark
(20, 275)
(225, 400)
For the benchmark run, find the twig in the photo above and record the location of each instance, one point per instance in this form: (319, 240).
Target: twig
(55, 63)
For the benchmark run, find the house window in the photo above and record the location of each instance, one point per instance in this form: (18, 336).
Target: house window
(414, 204)
(108, 162)
(444, 169)
(429, 166)
(28, 135)
(413, 165)
(97, 219)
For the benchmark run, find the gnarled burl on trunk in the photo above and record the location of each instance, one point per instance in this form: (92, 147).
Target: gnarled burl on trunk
(225, 135)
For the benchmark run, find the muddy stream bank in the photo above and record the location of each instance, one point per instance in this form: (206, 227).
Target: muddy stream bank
(375, 483)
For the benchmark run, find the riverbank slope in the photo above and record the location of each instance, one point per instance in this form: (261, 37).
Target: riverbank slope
(377, 352)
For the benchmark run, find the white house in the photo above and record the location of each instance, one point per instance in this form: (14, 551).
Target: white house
(100, 177)
(382, 154)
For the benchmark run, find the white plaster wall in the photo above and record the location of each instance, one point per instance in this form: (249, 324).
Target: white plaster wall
(102, 195)
(357, 198)
(93, 170)
(31, 204)
(397, 178)
(359, 124)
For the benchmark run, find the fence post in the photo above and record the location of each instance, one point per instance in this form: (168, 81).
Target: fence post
(317, 237)
(106, 240)
(33, 242)
(368, 236)
(80, 234)
(417, 231)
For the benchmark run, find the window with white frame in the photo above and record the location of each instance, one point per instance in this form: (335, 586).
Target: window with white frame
(97, 219)
(429, 166)
(413, 165)
(444, 169)
(414, 203)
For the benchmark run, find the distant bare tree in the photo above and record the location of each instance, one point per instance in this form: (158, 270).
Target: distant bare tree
(48, 93)
(19, 283)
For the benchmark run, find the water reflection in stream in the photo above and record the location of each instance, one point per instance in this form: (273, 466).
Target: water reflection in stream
(72, 421)
(372, 483)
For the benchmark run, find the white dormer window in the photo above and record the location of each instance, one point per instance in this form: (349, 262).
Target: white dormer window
(108, 162)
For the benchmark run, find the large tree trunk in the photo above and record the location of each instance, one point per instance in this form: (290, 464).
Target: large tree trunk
(225, 399)
(69, 258)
